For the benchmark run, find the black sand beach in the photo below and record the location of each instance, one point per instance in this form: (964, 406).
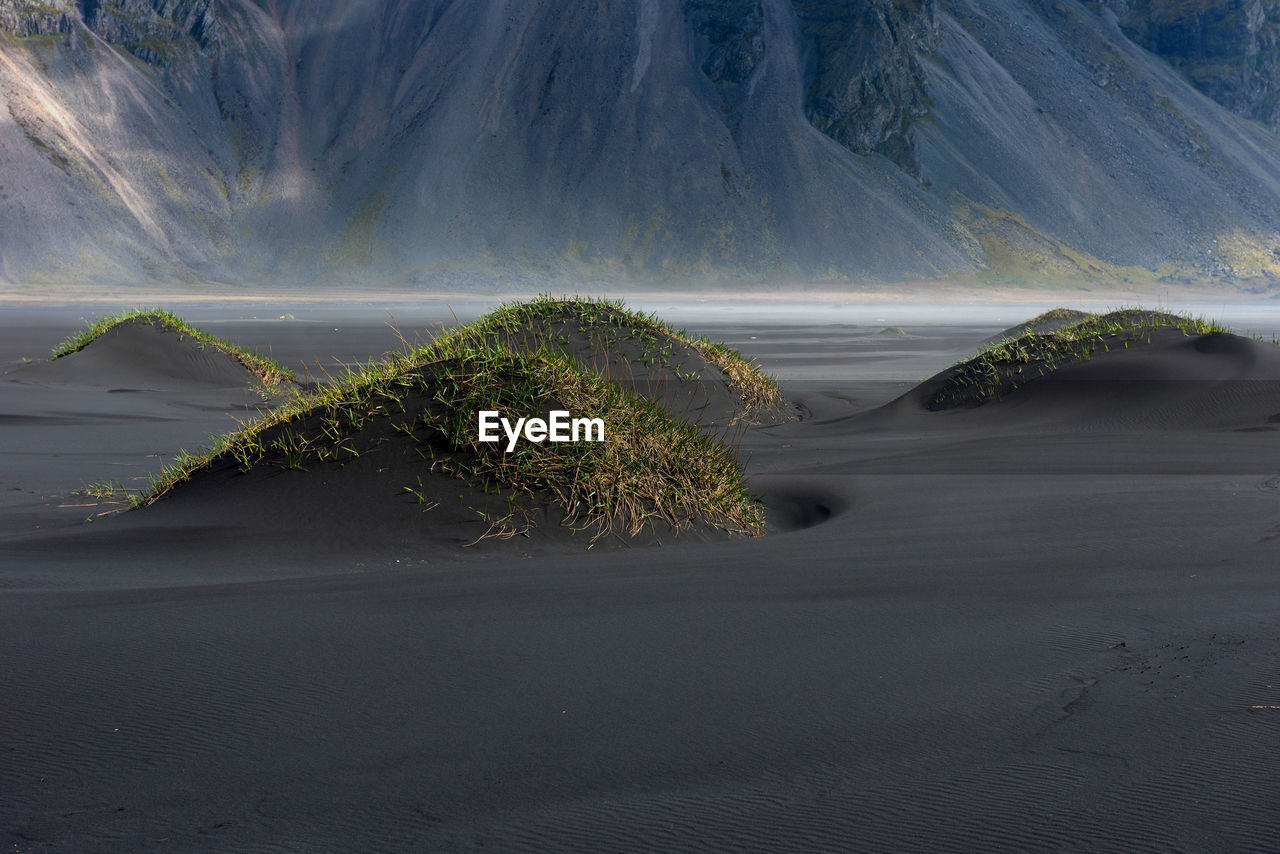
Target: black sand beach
(1050, 622)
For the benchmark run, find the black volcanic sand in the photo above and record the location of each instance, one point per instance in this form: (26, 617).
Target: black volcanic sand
(113, 412)
(1047, 622)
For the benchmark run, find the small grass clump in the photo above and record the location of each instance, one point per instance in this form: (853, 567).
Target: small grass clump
(650, 466)
(103, 489)
(268, 371)
(1006, 364)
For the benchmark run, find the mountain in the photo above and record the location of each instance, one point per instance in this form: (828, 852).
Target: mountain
(1228, 50)
(474, 143)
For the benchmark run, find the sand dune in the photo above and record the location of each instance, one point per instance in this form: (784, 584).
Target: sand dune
(383, 466)
(113, 413)
(1049, 321)
(137, 353)
(665, 367)
(1173, 382)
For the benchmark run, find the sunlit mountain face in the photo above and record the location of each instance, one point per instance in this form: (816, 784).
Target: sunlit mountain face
(743, 141)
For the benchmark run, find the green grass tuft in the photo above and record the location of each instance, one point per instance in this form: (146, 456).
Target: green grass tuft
(268, 371)
(103, 489)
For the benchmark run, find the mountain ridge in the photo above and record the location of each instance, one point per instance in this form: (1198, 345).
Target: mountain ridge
(736, 141)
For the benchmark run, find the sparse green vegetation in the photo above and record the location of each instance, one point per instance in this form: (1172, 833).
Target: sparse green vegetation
(613, 323)
(1014, 251)
(1249, 255)
(103, 489)
(269, 371)
(1006, 364)
(649, 466)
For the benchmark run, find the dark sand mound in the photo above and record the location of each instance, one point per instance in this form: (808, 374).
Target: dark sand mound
(137, 353)
(391, 453)
(1151, 371)
(395, 477)
(1052, 320)
(379, 493)
(381, 496)
(692, 378)
(118, 400)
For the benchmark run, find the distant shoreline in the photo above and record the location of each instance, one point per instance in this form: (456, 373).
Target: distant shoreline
(931, 292)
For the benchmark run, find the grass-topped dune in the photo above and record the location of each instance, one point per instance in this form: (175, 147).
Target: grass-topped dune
(395, 444)
(1011, 363)
(708, 383)
(1050, 321)
(156, 341)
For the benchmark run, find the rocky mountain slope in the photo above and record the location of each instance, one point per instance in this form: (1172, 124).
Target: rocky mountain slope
(1228, 50)
(466, 142)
